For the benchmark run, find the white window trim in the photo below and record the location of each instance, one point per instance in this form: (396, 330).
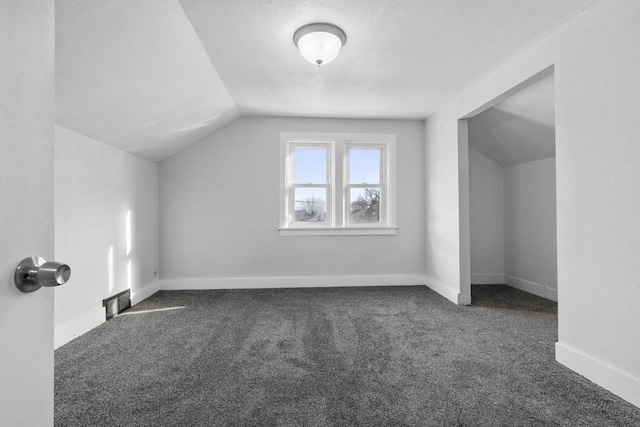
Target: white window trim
(337, 206)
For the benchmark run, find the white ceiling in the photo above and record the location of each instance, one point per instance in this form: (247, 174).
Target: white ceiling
(153, 76)
(133, 74)
(520, 129)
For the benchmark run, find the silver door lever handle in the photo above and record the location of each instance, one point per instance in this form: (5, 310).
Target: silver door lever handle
(34, 272)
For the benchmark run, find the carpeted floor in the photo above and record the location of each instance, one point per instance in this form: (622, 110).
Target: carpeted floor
(331, 356)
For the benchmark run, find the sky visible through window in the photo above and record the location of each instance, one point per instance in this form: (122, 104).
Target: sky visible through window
(364, 166)
(311, 166)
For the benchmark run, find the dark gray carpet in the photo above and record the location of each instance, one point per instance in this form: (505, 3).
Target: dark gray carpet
(337, 356)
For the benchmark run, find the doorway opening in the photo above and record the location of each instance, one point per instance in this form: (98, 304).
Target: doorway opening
(511, 179)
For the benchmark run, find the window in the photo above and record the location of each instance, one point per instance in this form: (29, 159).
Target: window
(336, 184)
(364, 188)
(310, 188)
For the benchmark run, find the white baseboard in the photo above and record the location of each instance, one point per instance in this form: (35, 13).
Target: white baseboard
(487, 279)
(193, 283)
(616, 381)
(83, 324)
(147, 290)
(78, 326)
(531, 287)
(446, 291)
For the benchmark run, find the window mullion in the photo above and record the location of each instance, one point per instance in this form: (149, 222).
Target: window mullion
(338, 176)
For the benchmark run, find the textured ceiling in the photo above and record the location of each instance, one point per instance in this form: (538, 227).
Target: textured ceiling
(402, 59)
(520, 129)
(153, 76)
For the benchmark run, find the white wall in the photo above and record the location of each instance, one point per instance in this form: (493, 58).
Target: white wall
(530, 255)
(596, 68)
(97, 187)
(219, 207)
(486, 208)
(27, 113)
(442, 208)
(513, 224)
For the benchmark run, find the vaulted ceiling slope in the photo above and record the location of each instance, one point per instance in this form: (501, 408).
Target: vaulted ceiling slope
(153, 76)
(520, 129)
(133, 74)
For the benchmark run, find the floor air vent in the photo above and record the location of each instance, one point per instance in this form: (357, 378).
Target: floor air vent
(117, 304)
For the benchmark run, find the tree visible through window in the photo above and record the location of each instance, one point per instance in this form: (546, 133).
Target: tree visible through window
(365, 207)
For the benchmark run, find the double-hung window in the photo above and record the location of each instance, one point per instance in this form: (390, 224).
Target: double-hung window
(334, 184)
(309, 190)
(366, 194)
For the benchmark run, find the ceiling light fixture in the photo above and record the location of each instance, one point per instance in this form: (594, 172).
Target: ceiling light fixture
(319, 43)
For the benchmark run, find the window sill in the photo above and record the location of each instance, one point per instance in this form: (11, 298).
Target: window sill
(338, 231)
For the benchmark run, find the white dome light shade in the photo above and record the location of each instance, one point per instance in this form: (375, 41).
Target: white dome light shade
(319, 48)
(319, 43)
